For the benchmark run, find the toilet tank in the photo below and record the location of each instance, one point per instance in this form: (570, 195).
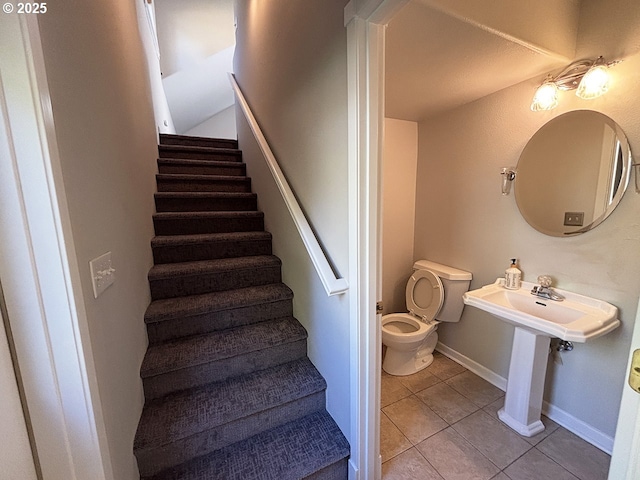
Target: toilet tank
(455, 282)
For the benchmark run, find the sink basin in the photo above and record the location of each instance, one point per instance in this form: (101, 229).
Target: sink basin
(576, 319)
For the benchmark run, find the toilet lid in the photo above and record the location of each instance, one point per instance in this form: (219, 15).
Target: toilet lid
(425, 294)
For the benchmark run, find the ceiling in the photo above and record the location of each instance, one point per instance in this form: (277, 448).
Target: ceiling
(441, 54)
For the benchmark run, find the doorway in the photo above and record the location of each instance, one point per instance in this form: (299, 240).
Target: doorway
(368, 141)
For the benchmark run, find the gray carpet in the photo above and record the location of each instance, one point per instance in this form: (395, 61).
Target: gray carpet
(229, 390)
(254, 458)
(185, 248)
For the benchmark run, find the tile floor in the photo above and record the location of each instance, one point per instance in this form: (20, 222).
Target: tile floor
(442, 424)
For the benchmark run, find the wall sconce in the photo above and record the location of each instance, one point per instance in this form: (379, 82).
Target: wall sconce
(590, 79)
(508, 176)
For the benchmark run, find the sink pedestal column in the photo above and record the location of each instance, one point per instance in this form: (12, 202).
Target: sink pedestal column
(525, 385)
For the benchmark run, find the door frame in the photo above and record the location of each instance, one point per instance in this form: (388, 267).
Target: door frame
(366, 22)
(41, 279)
(625, 458)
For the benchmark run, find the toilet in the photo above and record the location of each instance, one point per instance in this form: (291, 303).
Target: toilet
(434, 294)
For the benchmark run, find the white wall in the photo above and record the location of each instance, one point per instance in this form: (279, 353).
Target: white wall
(291, 65)
(196, 39)
(148, 35)
(399, 164)
(189, 31)
(107, 143)
(200, 91)
(221, 125)
(460, 156)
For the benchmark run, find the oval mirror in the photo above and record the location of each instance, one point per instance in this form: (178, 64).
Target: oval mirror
(572, 173)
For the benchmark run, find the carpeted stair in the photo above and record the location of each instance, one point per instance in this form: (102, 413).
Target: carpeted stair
(229, 390)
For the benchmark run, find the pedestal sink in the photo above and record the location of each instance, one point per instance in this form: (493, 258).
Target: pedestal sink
(536, 320)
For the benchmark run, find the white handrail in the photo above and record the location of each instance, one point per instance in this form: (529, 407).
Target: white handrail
(331, 283)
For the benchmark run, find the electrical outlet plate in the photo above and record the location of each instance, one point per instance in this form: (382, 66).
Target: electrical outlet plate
(102, 273)
(574, 219)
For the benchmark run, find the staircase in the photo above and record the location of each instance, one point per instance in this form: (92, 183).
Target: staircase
(229, 390)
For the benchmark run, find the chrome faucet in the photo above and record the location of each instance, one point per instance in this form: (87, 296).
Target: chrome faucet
(544, 290)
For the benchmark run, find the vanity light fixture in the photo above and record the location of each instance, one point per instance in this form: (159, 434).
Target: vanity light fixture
(546, 96)
(589, 77)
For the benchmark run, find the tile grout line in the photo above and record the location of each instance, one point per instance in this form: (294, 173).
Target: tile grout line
(483, 409)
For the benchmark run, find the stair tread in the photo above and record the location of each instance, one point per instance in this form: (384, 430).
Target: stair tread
(218, 265)
(291, 451)
(195, 239)
(171, 308)
(198, 149)
(205, 195)
(194, 161)
(173, 136)
(201, 177)
(200, 349)
(221, 214)
(180, 415)
(195, 222)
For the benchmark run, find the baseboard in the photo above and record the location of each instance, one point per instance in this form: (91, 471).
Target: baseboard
(583, 430)
(480, 370)
(353, 470)
(574, 425)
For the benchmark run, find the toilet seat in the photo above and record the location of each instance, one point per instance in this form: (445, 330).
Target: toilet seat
(393, 323)
(424, 295)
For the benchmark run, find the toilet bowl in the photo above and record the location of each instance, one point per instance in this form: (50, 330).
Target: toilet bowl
(405, 337)
(411, 337)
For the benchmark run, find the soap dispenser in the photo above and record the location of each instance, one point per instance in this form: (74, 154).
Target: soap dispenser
(513, 276)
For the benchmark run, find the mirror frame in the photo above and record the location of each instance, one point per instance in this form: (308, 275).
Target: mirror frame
(627, 163)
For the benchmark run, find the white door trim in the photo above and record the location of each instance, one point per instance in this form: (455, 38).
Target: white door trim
(365, 22)
(625, 459)
(362, 249)
(37, 266)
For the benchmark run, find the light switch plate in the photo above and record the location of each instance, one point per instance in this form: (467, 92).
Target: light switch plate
(102, 273)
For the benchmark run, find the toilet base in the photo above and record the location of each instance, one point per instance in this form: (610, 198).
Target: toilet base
(404, 363)
(401, 362)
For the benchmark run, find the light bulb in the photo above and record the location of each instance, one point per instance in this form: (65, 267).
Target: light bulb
(546, 97)
(594, 83)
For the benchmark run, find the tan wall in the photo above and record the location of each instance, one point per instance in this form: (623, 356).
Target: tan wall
(107, 142)
(460, 157)
(399, 164)
(291, 65)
